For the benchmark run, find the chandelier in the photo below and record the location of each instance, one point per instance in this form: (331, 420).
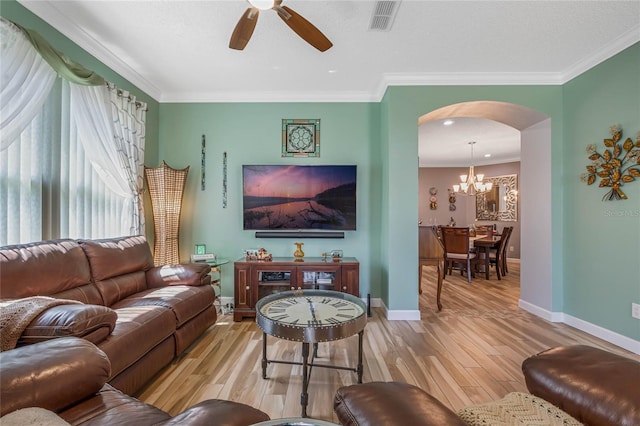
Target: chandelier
(471, 184)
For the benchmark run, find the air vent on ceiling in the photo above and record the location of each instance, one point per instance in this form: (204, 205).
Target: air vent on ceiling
(384, 13)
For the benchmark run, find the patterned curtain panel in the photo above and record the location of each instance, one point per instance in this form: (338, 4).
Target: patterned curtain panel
(129, 119)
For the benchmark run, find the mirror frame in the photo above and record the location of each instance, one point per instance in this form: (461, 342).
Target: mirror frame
(510, 182)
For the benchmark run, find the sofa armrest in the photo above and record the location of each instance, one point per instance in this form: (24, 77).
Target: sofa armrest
(52, 374)
(91, 322)
(220, 413)
(594, 386)
(194, 274)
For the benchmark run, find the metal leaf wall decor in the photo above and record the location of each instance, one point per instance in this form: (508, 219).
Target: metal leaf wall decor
(618, 164)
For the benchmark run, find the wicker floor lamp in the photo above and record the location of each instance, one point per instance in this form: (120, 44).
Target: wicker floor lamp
(166, 186)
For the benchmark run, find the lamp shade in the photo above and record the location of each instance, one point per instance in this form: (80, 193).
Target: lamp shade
(166, 186)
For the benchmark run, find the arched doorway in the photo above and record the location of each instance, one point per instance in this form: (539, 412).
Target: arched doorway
(534, 194)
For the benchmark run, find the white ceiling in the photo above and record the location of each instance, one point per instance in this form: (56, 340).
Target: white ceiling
(448, 146)
(177, 50)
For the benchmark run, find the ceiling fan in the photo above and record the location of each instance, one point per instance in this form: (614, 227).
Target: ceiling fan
(305, 29)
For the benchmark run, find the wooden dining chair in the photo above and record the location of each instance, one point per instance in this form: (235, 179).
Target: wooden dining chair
(505, 269)
(497, 257)
(456, 250)
(430, 252)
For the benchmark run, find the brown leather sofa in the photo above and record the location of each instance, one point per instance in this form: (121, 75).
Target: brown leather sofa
(68, 375)
(596, 387)
(141, 316)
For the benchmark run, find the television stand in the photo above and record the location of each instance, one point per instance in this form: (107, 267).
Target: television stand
(255, 279)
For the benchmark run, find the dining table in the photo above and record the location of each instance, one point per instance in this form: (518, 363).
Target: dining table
(483, 245)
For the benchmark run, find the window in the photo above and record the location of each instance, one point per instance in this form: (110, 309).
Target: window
(71, 148)
(48, 188)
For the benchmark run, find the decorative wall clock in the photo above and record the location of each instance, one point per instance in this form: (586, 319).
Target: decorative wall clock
(301, 138)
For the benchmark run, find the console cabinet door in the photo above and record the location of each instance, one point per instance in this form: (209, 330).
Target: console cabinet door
(270, 278)
(350, 279)
(325, 277)
(243, 299)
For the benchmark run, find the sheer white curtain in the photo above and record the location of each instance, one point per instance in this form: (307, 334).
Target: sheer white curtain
(71, 159)
(112, 132)
(26, 82)
(23, 182)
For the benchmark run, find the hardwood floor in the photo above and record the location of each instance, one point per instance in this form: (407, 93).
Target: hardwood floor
(468, 353)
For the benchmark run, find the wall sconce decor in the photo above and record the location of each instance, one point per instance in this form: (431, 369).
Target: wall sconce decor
(617, 165)
(166, 186)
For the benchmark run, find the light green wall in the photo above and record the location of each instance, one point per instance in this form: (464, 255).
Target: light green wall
(602, 238)
(251, 134)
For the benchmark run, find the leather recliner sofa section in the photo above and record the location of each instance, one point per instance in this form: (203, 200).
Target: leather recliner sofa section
(140, 315)
(67, 376)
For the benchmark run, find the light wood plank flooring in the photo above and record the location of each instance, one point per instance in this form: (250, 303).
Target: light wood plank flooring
(468, 353)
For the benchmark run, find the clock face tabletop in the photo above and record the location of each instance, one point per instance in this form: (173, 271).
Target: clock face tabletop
(311, 316)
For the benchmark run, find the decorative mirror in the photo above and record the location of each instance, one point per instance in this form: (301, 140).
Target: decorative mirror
(501, 202)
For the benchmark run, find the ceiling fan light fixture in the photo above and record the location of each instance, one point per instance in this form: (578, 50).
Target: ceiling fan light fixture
(262, 4)
(303, 28)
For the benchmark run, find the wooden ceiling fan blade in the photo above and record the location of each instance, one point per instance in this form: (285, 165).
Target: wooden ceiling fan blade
(244, 29)
(303, 28)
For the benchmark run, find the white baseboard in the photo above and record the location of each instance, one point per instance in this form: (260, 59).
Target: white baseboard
(539, 312)
(400, 315)
(375, 302)
(592, 329)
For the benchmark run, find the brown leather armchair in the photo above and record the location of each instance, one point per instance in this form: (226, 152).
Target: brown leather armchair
(68, 376)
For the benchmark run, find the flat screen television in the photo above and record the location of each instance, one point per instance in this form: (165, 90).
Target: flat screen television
(286, 197)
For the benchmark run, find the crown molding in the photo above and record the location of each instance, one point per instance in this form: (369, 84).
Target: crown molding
(624, 41)
(267, 96)
(48, 12)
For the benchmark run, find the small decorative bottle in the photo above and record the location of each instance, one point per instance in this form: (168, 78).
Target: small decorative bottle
(298, 254)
